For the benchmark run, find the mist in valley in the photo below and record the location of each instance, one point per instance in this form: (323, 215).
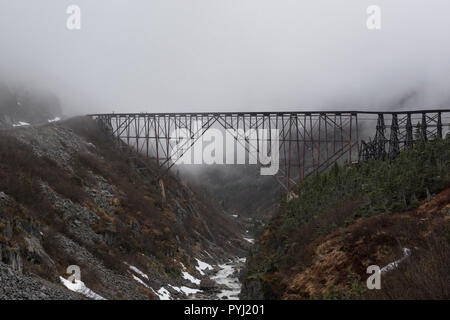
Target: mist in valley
(198, 56)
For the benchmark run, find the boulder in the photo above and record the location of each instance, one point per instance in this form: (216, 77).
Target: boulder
(5, 200)
(208, 285)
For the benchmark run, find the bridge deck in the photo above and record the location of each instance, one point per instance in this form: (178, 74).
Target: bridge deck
(273, 113)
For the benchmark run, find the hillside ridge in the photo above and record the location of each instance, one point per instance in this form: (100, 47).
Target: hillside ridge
(70, 196)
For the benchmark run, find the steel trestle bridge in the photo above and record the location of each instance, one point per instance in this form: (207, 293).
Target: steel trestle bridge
(309, 142)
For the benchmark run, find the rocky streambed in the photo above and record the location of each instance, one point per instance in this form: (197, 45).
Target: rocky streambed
(222, 282)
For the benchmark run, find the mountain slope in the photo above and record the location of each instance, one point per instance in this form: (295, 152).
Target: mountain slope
(70, 196)
(320, 244)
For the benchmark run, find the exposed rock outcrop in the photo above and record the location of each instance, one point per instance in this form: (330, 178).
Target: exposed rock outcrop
(80, 200)
(16, 286)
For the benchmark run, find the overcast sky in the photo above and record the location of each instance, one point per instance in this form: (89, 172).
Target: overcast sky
(229, 55)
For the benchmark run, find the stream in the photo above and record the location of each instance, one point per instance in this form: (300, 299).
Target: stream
(227, 278)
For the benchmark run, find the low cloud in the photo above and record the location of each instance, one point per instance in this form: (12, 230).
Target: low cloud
(229, 55)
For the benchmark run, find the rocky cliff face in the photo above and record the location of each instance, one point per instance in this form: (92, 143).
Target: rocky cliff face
(17, 286)
(70, 196)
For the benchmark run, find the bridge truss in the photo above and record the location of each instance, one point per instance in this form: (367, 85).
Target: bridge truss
(308, 142)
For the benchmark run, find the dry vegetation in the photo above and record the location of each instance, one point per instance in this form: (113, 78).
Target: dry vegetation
(141, 224)
(320, 244)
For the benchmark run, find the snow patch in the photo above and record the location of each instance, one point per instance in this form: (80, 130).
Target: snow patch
(250, 240)
(187, 276)
(189, 291)
(54, 120)
(202, 266)
(137, 271)
(140, 281)
(81, 288)
(21, 124)
(177, 289)
(163, 294)
(186, 290)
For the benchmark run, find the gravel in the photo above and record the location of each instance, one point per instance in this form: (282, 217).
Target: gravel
(16, 286)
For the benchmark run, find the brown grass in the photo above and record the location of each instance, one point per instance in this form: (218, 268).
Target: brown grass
(328, 261)
(21, 173)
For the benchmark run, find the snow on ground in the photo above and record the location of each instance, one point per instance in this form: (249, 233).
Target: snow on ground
(21, 124)
(186, 290)
(54, 120)
(81, 288)
(192, 279)
(137, 271)
(140, 281)
(250, 240)
(226, 277)
(177, 289)
(189, 291)
(393, 265)
(202, 266)
(143, 275)
(163, 294)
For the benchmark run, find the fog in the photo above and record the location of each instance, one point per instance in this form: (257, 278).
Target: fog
(229, 55)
